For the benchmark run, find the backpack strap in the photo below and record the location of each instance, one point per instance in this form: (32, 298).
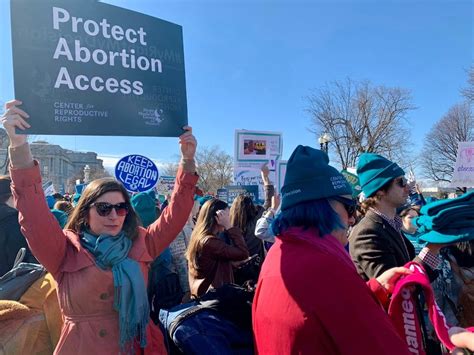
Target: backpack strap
(19, 257)
(183, 316)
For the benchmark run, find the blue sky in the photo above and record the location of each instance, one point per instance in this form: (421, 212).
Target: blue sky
(250, 64)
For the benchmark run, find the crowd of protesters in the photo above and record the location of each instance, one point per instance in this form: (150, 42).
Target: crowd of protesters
(311, 271)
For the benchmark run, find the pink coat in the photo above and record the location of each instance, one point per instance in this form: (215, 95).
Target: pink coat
(86, 293)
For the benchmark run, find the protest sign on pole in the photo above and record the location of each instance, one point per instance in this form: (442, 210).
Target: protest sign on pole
(257, 146)
(252, 150)
(90, 68)
(137, 173)
(463, 174)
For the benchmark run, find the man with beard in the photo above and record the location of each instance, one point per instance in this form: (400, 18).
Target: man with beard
(376, 243)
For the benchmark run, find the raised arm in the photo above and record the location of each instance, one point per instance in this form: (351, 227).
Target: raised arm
(267, 186)
(166, 228)
(38, 225)
(218, 249)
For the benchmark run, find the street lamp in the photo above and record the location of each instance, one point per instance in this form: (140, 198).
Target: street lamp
(324, 140)
(87, 174)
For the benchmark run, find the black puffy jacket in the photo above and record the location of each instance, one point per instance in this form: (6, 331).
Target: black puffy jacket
(11, 239)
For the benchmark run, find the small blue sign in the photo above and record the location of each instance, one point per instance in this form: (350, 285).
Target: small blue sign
(222, 194)
(235, 190)
(137, 173)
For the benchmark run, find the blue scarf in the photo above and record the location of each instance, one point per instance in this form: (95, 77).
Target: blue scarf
(130, 297)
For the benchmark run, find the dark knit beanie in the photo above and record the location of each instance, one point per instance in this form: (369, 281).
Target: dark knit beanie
(374, 171)
(310, 177)
(5, 185)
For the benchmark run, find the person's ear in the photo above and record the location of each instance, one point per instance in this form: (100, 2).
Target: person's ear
(379, 194)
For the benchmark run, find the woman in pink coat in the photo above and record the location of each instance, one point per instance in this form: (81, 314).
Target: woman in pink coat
(100, 261)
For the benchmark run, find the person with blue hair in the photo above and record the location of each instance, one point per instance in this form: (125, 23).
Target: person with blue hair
(309, 297)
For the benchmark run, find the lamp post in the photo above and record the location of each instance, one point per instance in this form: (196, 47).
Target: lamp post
(87, 174)
(324, 140)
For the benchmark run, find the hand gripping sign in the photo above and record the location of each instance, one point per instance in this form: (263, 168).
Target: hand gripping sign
(137, 173)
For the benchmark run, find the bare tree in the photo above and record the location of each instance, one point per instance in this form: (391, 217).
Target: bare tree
(361, 118)
(215, 168)
(441, 143)
(468, 92)
(169, 169)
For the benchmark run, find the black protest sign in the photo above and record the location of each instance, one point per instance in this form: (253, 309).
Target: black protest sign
(89, 68)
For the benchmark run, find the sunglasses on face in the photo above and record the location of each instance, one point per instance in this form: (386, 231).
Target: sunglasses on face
(104, 208)
(349, 204)
(402, 182)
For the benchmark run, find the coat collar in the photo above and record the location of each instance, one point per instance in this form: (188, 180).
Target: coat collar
(394, 235)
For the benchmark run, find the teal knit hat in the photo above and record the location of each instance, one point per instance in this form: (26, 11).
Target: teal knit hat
(144, 203)
(375, 171)
(310, 177)
(60, 216)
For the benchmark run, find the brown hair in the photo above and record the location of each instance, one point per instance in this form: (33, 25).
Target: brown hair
(64, 206)
(78, 219)
(242, 211)
(205, 225)
(371, 201)
(410, 208)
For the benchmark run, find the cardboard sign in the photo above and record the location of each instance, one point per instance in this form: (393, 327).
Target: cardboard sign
(137, 173)
(463, 174)
(165, 185)
(235, 190)
(89, 68)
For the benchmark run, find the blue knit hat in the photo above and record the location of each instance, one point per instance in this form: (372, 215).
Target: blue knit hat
(375, 171)
(310, 177)
(203, 199)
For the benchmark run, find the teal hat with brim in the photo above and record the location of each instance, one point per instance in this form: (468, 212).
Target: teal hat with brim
(448, 237)
(375, 171)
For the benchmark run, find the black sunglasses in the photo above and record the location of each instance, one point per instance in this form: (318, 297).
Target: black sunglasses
(104, 208)
(402, 182)
(349, 204)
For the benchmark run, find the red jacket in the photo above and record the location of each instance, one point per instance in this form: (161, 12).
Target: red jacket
(85, 292)
(310, 300)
